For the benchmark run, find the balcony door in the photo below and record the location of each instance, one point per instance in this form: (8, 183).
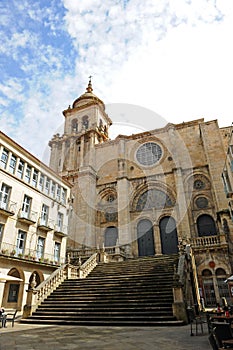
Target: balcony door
(4, 196)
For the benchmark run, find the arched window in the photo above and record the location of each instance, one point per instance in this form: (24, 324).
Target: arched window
(153, 198)
(85, 122)
(214, 287)
(206, 226)
(74, 125)
(110, 236)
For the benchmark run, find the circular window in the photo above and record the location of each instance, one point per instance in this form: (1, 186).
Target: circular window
(198, 184)
(202, 202)
(149, 153)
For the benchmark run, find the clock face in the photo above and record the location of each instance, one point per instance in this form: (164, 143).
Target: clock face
(149, 154)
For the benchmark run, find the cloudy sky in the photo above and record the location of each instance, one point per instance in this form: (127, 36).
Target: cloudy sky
(173, 57)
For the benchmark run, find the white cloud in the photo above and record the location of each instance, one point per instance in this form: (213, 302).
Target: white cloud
(172, 56)
(12, 90)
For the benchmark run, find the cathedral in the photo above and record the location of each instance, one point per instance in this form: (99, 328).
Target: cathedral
(149, 193)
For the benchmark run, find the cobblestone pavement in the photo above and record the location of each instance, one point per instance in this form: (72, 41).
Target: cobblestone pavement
(35, 337)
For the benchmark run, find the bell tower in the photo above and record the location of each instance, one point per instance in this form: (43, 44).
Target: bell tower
(86, 124)
(73, 156)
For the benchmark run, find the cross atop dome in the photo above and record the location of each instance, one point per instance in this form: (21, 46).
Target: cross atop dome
(89, 87)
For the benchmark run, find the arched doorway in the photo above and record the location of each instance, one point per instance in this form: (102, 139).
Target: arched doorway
(111, 236)
(208, 288)
(13, 290)
(223, 290)
(206, 226)
(145, 237)
(168, 235)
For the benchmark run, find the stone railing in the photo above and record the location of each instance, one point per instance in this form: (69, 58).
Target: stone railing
(36, 295)
(45, 288)
(208, 241)
(181, 283)
(88, 266)
(115, 253)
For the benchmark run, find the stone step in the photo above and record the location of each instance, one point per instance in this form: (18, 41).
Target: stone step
(103, 313)
(98, 308)
(134, 292)
(110, 291)
(101, 317)
(111, 322)
(112, 298)
(111, 302)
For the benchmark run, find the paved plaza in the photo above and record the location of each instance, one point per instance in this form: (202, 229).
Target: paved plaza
(35, 337)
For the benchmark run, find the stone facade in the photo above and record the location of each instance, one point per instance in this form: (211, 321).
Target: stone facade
(150, 192)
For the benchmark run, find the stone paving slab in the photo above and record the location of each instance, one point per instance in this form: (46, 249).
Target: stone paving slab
(35, 337)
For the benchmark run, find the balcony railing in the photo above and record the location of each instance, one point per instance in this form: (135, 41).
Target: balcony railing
(61, 230)
(7, 208)
(29, 218)
(208, 241)
(10, 250)
(45, 224)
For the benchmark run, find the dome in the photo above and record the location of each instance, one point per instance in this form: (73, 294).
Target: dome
(88, 96)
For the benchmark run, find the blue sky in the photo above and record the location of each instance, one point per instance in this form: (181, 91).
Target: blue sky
(173, 57)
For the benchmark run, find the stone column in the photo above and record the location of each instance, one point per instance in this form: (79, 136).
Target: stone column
(158, 248)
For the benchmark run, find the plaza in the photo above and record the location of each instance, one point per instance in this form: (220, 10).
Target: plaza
(36, 337)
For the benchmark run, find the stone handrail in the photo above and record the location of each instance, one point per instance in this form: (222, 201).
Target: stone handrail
(88, 266)
(181, 284)
(36, 295)
(45, 288)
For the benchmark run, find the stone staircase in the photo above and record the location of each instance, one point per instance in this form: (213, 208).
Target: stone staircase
(135, 292)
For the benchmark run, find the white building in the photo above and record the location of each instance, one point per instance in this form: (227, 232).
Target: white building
(34, 210)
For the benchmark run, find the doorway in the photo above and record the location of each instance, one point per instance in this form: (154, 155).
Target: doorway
(145, 237)
(168, 235)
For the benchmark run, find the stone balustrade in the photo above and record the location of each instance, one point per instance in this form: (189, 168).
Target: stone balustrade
(88, 266)
(36, 295)
(50, 284)
(208, 241)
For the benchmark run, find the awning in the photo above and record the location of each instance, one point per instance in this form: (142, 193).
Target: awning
(4, 277)
(229, 279)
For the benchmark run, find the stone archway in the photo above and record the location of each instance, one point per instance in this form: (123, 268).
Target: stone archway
(13, 290)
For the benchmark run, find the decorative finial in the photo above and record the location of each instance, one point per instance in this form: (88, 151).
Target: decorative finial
(89, 88)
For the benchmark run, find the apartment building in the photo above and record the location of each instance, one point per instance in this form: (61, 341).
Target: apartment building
(34, 212)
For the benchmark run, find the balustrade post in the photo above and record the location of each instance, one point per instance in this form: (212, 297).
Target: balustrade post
(178, 306)
(32, 298)
(80, 273)
(103, 256)
(69, 271)
(222, 239)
